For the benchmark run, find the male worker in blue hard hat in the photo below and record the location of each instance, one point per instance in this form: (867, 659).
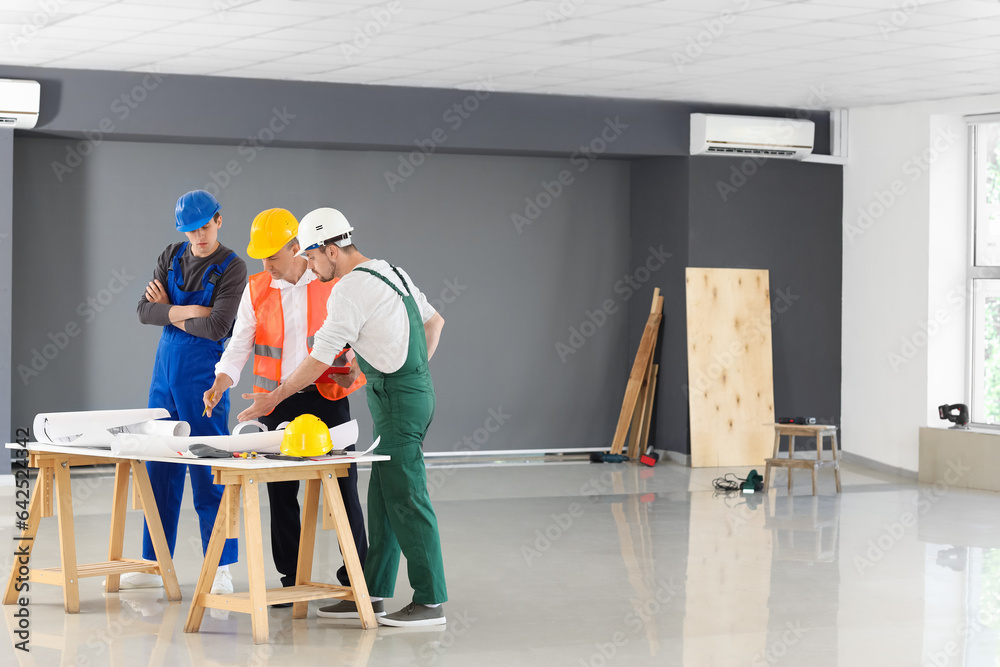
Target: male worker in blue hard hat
(394, 331)
(280, 311)
(194, 296)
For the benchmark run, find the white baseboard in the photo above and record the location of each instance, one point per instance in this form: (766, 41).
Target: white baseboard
(877, 466)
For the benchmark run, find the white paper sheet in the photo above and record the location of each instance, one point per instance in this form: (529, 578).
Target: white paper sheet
(91, 428)
(268, 442)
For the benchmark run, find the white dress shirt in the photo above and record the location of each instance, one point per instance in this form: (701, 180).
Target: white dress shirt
(369, 315)
(294, 309)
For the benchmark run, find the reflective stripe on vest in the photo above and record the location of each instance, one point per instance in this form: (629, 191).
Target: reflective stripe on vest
(270, 335)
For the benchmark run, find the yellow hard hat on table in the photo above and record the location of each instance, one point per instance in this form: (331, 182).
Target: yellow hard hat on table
(306, 436)
(270, 231)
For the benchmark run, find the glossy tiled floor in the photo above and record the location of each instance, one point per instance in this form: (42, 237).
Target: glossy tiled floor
(577, 564)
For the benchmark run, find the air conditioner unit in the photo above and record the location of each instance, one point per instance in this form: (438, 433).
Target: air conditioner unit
(784, 138)
(19, 103)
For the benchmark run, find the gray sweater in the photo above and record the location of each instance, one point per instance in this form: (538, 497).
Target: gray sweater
(225, 299)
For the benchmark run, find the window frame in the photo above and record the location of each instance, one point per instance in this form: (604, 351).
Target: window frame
(974, 271)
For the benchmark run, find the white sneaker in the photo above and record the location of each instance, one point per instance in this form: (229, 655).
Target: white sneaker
(223, 584)
(133, 580)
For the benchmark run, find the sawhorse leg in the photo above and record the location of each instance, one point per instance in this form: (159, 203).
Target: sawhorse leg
(212, 557)
(335, 501)
(307, 543)
(26, 541)
(116, 541)
(67, 538)
(141, 480)
(255, 560)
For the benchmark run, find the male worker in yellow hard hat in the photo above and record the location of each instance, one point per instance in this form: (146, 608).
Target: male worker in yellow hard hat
(394, 331)
(280, 311)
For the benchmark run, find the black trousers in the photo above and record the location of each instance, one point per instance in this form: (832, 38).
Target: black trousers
(286, 520)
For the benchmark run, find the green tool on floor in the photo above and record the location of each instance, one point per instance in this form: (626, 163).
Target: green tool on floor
(753, 483)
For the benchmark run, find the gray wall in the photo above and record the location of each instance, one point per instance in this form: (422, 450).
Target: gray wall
(660, 216)
(198, 109)
(510, 296)
(6, 293)
(81, 186)
(785, 217)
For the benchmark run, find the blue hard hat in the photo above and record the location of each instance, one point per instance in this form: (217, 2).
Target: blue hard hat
(195, 209)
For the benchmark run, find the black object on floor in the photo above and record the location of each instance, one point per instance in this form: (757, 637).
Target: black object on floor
(604, 457)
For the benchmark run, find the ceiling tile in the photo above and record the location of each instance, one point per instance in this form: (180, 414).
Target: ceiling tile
(738, 51)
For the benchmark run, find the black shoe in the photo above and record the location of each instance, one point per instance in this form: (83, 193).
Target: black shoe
(347, 609)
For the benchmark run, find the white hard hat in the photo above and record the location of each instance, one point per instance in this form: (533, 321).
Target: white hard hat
(322, 225)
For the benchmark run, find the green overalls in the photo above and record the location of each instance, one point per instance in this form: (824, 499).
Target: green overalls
(400, 515)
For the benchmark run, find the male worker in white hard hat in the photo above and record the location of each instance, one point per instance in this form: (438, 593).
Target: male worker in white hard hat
(376, 309)
(280, 311)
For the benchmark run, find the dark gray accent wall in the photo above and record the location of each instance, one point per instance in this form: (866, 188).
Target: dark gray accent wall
(660, 217)
(198, 109)
(720, 212)
(541, 320)
(6, 286)
(86, 247)
(785, 217)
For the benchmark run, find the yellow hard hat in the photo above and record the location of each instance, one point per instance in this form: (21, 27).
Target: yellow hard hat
(305, 436)
(270, 231)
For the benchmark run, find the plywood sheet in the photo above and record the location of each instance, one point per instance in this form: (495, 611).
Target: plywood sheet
(730, 378)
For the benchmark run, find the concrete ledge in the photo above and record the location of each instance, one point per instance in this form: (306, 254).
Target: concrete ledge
(877, 466)
(961, 458)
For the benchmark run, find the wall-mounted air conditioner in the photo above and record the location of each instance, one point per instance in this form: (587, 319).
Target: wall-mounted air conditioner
(785, 138)
(19, 103)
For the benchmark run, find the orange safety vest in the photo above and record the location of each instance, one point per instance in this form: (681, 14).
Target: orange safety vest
(270, 336)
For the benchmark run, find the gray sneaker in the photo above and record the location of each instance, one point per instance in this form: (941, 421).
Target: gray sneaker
(347, 609)
(415, 614)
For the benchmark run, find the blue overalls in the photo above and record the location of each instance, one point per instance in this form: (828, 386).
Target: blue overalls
(184, 368)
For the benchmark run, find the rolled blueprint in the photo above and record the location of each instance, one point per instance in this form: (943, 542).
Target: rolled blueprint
(90, 428)
(268, 442)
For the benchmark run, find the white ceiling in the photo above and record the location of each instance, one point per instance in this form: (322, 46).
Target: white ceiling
(814, 53)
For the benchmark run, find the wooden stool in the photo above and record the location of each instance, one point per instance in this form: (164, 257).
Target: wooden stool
(818, 431)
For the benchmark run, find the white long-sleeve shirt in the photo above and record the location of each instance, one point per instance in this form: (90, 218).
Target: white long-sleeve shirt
(295, 311)
(368, 315)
